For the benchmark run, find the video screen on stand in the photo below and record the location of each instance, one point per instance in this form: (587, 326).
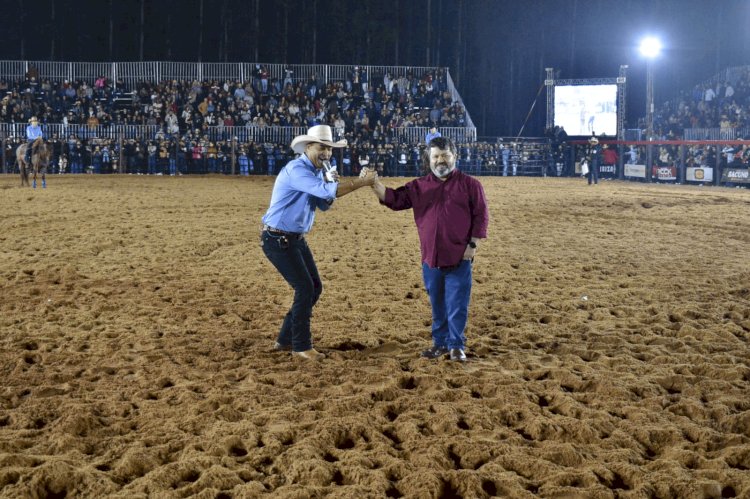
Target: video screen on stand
(586, 109)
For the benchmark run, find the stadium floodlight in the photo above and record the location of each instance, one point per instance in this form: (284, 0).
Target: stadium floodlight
(650, 49)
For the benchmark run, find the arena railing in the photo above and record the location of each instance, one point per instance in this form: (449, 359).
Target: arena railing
(63, 131)
(242, 134)
(416, 135)
(716, 133)
(132, 72)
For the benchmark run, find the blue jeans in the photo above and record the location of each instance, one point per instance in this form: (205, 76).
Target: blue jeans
(294, 261)
(450, 292)
(594, 172)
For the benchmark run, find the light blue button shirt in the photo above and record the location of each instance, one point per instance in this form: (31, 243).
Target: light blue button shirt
(298, 191)
(33, 132)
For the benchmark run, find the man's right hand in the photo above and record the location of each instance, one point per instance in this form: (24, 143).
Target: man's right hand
(369, 176)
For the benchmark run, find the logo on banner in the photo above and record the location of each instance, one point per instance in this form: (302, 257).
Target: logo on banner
(741, 175)
(665, 172)
(699, 174)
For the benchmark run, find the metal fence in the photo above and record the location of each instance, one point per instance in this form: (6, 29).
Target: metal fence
(242, 134)
(133, 72)
(61, 130)
(416, 135)
(716, 133)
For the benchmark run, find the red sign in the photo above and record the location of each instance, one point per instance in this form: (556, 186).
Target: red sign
(664, 173)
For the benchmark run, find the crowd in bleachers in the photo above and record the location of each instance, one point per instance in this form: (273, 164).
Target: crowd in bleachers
(724, 104)
(354, 106)
(364, 110)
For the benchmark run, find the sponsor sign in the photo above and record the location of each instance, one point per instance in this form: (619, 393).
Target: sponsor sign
(699, 174)
(608, 169)
(664, 173)
(736, 175)
(635, 171)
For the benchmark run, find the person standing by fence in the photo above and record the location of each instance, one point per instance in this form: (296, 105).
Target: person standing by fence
(595, 156)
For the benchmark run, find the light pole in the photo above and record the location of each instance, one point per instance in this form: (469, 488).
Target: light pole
(650, 49)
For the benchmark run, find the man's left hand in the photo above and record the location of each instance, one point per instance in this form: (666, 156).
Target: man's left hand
(469, 253)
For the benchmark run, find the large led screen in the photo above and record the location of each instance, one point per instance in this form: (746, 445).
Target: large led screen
(586, 109)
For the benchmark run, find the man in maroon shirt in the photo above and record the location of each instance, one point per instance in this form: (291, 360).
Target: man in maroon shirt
(450, 211)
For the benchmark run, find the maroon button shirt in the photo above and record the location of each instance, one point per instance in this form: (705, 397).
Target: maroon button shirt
(447, 213)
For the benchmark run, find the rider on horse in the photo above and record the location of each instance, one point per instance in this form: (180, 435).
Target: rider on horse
(33, 132)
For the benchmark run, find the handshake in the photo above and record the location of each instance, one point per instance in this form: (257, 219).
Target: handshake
(366, 172)
(331, 175)
(367, 178)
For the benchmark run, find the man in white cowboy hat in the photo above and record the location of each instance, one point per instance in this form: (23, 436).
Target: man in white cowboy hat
(595, 159)
(33, 132)
(306, 184)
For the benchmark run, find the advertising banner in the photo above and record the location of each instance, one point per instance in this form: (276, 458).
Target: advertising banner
(607, 170)
(664, 173)
(736, 175)
(699, 174)
(635, 171)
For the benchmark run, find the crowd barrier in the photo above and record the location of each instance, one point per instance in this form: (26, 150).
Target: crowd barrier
(242, 134)
(133, 72)
(716, 133)
(704, 162)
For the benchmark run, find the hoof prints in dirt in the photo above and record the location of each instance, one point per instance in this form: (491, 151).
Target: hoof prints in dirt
(136, 350)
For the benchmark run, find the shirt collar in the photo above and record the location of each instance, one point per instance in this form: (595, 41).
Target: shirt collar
(307, 162)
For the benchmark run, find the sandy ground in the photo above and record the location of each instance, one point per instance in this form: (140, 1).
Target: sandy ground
(608, 345)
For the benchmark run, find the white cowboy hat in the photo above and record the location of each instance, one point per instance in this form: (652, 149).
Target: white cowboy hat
(320, 134)
(594, 140)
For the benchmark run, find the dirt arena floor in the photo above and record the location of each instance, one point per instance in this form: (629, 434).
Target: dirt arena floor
(608, 340)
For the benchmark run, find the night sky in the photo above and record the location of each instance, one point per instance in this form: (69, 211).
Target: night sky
(496, 50)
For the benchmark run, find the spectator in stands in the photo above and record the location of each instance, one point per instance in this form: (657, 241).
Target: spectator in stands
(609, 155)
(243, 162)
(432, 134)
(506, 159)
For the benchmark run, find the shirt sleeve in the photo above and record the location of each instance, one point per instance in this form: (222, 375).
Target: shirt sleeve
(324, 204)
(480, 214)
(398, 199)
(308, 182)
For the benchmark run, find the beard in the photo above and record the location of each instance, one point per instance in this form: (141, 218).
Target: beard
(442, 170)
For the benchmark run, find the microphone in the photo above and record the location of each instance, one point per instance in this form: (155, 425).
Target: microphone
(330, 171)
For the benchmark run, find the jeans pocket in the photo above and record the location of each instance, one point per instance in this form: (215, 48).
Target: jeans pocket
(274, 242)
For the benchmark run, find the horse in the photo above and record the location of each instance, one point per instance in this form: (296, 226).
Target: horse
(40, 155)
